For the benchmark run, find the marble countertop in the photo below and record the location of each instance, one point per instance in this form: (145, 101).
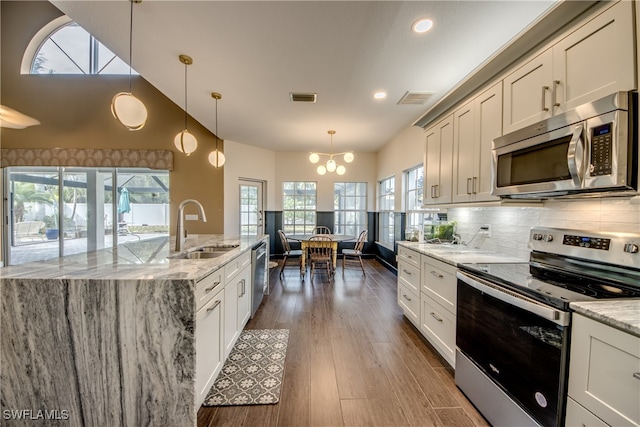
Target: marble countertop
(620, 313)
(458, 254)
(142, 260)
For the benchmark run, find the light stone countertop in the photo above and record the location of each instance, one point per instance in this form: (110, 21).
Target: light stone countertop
(459, 254)
(620, 313)
(142, 260)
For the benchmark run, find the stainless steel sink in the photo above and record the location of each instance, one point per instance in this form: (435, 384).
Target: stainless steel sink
(216, 249)
(201, 255)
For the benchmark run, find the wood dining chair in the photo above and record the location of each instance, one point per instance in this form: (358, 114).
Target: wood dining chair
(289, 253)
(321, 229)
(355, 254)
(321, 254)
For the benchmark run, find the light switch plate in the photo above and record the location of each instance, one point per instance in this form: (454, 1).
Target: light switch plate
(191, 217)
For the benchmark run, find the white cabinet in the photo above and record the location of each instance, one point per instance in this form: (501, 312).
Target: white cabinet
(604, 373)
(593, 61)
(237, 307)
(476, 124)
(438, 162)
(209, 344)
(438, 306)
(409, 284)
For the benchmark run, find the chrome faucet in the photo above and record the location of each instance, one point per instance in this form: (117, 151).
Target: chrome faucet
(181, 233)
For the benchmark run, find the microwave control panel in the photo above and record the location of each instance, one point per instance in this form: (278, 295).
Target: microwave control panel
(601, 150)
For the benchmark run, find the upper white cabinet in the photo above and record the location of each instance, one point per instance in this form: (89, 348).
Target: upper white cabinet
(593, 61)
(438, 162)
(476, 124)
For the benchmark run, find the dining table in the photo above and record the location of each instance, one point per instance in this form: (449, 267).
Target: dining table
(304, 244)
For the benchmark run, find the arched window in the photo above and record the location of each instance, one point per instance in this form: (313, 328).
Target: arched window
(64, 47)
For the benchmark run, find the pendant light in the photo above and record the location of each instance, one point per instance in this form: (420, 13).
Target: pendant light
(331, 165)
(125, 107)
(216, 157)
(185, 142)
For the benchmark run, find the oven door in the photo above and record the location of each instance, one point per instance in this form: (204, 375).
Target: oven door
(549, 163)
(520, 344)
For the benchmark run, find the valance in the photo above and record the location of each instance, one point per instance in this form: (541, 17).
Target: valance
(86, 157)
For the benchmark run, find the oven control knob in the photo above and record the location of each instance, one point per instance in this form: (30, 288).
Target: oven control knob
(537, 236)
(548, 238)
(631, 248)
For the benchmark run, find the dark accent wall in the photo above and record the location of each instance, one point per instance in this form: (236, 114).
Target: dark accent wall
(384, 255)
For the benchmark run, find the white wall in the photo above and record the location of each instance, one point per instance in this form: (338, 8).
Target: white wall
(295, 166)
(246, 161)
(405, 151)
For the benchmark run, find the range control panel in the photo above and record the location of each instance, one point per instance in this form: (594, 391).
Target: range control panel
(609, 247)
(586, 242)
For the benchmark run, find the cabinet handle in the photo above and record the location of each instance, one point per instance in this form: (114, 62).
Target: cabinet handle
(474, 189)
(406, 272)
(435, 317)
(437, 188)
(433, 192)
(406, 297)
(435, 273)
(544, 100)
(241, 283)
(468, 185)
(556, 83)
(636, 375)
(212, 287)
(214, 306)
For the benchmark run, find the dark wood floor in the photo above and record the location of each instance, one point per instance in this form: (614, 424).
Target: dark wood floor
(352, 359)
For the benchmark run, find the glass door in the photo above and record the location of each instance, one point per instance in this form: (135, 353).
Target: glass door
(251, 208)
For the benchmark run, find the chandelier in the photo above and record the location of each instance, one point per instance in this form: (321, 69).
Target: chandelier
(331, 165)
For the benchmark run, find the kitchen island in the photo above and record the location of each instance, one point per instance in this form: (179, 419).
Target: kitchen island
(107, 337)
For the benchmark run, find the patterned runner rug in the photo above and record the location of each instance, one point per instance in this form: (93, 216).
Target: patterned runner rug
(252, 374)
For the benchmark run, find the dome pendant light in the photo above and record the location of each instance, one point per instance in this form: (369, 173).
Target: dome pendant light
(216, 157)
(125, 107)
(331, 165)
(185, 142)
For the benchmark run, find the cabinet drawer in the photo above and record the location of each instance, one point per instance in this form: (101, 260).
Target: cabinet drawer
(409, 256)
(409, 276)
(604, 371)
(439, 282)
(233, 267)
(579, 416)
(439, 326)
(410, 303)
(207, 287)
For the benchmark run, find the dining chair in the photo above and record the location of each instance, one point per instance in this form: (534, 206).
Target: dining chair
(351, 255)
(321, 229)
(290, 254)
(321, 254)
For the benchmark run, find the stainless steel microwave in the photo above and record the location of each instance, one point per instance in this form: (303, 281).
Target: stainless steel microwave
(589, 150)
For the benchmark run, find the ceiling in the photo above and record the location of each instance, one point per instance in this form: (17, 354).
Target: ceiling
(256, 52)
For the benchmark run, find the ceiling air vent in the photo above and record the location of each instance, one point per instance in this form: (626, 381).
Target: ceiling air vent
(414, 98)
(303, 97)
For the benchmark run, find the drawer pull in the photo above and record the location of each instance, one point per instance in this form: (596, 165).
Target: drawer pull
(435, 317)
(435, 273)
(214, 306)
(406, 297)
(212, 287)
(544, 91)
(636, 375)
(242, 288)
(406, 272)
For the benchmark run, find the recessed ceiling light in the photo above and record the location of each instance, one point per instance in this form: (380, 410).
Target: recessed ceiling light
(380, 95)
(422, 25)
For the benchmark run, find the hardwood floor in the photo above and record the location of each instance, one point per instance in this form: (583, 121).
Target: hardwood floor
(352, 359)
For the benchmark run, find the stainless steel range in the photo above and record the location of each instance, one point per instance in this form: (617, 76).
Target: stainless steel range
(514, 320)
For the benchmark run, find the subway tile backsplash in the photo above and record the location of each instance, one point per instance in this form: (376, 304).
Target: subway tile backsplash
(510, 225)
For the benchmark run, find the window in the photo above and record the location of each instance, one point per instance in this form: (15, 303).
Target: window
(63, 211)
(299, 207)
(350, 207)
(64, 47)
(386, 195)
(414, 182)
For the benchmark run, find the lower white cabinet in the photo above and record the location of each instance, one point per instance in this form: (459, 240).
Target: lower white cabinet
(409, 284)
(409, 302)
(209, 344)
(604, 374)
(237, 307)
(438, 325)
(577, 416)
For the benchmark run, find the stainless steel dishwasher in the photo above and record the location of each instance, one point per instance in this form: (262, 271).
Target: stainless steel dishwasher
(259, 275)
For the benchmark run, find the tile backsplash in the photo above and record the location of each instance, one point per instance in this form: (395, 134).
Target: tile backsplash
(510, 225)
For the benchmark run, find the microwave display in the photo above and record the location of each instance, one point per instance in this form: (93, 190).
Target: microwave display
(601, 148)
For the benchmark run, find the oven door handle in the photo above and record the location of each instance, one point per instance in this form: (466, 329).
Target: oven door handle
(575, 156)
(556, 316)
